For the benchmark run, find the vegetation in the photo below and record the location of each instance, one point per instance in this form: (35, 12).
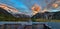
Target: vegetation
(45, 20)
(4, 17)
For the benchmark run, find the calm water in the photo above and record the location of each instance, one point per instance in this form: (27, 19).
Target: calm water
(54, 25)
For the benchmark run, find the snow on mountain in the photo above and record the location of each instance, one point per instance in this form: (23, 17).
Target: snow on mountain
(14, 11)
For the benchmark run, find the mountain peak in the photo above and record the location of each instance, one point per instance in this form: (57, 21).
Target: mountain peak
(8, 8)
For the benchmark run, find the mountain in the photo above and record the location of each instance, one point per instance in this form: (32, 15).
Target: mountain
(49, 15)
(6, 16)
(11, 14)
(4, 11)
(14, 12)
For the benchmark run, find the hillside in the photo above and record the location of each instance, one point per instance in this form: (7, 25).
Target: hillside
(46, 16)
(6, 16)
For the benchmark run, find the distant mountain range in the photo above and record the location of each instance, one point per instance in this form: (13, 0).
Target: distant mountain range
(54, 15)
(11, 11)
(48, 15)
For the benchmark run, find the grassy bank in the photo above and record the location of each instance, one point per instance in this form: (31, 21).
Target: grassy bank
(4, 17)
(46, 20)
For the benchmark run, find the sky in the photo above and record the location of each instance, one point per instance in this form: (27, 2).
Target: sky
(24, 5)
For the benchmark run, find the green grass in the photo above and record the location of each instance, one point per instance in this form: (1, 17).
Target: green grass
(4, 17)
(46, 20)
